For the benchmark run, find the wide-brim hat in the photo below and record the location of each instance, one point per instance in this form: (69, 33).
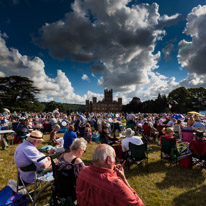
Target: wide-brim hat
(129, 132)
(36, 135)
(199, 133)
(6, 110)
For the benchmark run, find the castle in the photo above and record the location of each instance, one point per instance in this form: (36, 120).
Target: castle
(106, 105)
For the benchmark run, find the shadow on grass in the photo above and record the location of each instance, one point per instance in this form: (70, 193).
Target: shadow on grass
(195, 196)
(154, 148)
(175, 175)
(181, 177)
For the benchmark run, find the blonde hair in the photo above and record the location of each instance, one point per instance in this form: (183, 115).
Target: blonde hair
(78, 144)
(167, 130)
(56, 126)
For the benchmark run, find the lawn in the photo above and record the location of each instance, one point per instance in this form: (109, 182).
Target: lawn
(163, 185)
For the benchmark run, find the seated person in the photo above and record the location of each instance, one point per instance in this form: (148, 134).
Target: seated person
(77, 149)
(22, 129)
(69, 137)
(198, 123)
(103, 183)
(54, 139)
(168, 133)
(88, 132)
(130, 138)
(27, 154)
(105, 136)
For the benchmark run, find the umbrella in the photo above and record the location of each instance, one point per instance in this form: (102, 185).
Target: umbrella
(193, 112)
(177, 116)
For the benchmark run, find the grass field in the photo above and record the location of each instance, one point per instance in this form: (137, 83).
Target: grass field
(163, 185)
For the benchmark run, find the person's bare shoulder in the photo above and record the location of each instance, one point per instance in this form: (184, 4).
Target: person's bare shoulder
(78, 161)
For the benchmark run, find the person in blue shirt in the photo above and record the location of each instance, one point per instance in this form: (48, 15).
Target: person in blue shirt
(69, 137)
(198, 123)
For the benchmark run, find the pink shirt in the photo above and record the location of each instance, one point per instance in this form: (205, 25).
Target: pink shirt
(102, 187)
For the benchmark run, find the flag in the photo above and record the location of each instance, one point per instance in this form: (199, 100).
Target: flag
(170, 106)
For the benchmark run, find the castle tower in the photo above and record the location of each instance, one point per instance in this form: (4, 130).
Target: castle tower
(108, 96)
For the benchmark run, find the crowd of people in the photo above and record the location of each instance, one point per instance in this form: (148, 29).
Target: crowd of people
(78, 129)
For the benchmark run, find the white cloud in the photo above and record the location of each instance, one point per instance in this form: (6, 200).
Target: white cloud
(192, 53)
(120, 40)
(58, 88)
(85, 77)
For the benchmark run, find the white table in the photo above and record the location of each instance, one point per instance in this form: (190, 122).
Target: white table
(6, 131)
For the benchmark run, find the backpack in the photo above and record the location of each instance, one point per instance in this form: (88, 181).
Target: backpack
(65, 180)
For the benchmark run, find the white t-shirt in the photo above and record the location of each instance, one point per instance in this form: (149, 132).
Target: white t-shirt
(134, 140)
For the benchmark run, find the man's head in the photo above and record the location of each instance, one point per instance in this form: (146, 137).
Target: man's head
(35, 137)
(104, 156)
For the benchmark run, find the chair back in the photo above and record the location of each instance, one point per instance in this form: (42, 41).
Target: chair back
(198, 149)
(187, 135)
(131, 125)
(64, 180)
(138, 152)
(167, 144)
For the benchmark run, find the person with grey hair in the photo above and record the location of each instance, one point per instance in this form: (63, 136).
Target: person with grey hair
(77, 149)
(103, 183)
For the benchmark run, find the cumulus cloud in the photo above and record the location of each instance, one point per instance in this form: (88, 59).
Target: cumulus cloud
(58, 88)
(118, 39)
(166, 21)
(85, 77)
(167, 51)
(191, 54)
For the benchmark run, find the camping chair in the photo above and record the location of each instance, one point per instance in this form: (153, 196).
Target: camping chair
(137, 154)
(198, 149)
(131, 125)
(168, 147)
(64, 185)
(23, 186)
(187, 135)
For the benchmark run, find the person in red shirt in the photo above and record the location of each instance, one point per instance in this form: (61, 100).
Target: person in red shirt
(103, 183)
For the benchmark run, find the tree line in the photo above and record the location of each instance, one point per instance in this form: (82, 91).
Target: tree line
(19, 94)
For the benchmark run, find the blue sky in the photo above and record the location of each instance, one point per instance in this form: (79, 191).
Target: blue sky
(72, 50)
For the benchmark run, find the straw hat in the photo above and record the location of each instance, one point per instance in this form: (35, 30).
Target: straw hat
(129, 132)
(36, 135)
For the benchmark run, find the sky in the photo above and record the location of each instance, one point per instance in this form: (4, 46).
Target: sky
(73, 50)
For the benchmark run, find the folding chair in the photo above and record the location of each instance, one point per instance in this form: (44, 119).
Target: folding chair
(187, 135)
(198, 149)
(137, 154)
(22, 185)
(64, 184)
(168, 147)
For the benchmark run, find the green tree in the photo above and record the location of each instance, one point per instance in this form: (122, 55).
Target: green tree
(51, 106)
(198, 98)
(180, 99)
(18, 93)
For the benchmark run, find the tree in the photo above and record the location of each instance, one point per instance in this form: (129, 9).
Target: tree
(18, 93)
(180, 100)
(198, 98)
(51, 106)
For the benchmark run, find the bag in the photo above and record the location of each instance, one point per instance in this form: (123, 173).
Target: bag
(65, 180)
(9, 197)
